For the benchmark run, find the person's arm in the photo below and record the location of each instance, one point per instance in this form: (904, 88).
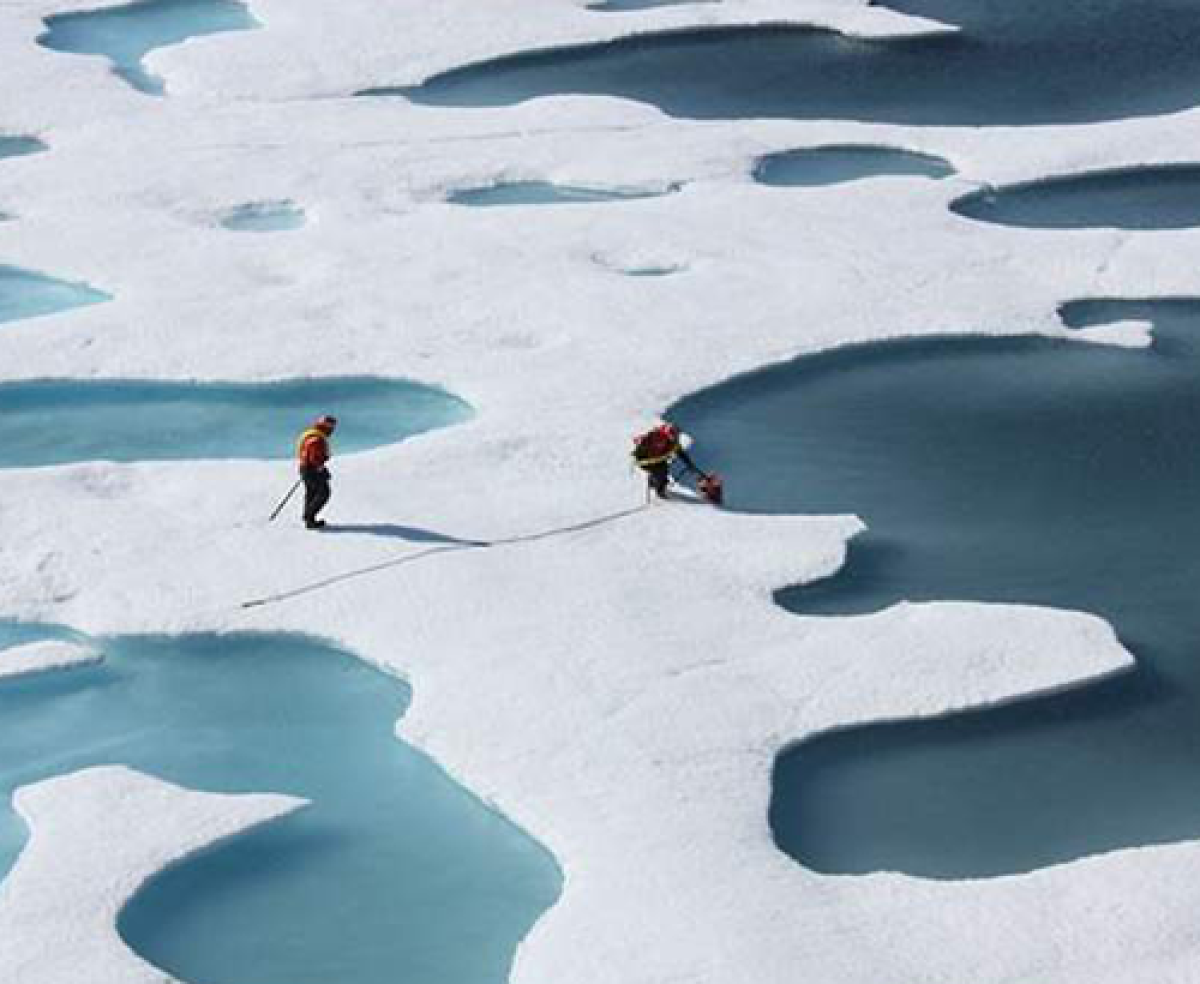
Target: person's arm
(686, 459)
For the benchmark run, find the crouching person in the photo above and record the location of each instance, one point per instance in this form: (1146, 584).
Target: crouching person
(653, 453)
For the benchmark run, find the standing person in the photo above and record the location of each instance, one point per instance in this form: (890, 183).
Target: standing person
(312, 454)
(653, 453)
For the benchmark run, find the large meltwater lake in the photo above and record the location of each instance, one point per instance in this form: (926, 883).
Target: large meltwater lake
(1029, 471)
(1012, 62)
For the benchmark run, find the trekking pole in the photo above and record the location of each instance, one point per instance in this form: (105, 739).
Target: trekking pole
(286, 499)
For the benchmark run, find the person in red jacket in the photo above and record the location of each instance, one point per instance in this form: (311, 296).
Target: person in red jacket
(312, 454)
(653, 453)
(656, 450)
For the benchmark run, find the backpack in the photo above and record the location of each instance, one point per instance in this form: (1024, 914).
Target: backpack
(653, 446)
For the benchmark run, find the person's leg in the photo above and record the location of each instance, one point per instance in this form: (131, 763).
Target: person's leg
(316, 495)
(310, 494)
(323, 494)
(659, 477)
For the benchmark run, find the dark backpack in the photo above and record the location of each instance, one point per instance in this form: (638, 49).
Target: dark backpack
(653, 444)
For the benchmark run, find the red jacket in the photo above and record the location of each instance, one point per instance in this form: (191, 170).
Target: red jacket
(660, 446)
(312, 450)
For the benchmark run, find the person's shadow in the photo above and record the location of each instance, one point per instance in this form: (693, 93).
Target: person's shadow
(413, 534)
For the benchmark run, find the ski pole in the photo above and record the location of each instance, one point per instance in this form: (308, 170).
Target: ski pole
(286, 499)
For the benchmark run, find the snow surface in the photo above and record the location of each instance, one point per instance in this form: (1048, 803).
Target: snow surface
(43, 657)
(621, 688)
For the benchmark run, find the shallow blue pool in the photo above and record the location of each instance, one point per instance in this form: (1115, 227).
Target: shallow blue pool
(1023, 471)
(29, 295)
(1165, 197)
(652, 271)
(394, 873)
(264, 217)
(541, 193)
(20, 146)
(56, 422)
(127, 34)
(833, 165)
(622, 6)
(1014, 62)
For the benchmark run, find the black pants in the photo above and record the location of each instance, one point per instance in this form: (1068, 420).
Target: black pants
(316, 491)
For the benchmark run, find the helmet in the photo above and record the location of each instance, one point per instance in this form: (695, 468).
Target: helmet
(669, 429)
(326, 422)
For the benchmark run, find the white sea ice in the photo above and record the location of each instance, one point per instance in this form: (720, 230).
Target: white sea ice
(42, 657)
(619, 689)
(1129, 334)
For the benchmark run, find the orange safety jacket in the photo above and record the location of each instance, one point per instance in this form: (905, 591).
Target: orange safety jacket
(312, 450)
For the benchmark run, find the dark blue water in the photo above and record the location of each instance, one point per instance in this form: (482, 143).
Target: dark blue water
(125, 35)
(833, 165)
(1014, 62)
(1139, 198)
(52, 423)
(393, 874)
(1024, 471)
(541, 193)
(30, 295)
